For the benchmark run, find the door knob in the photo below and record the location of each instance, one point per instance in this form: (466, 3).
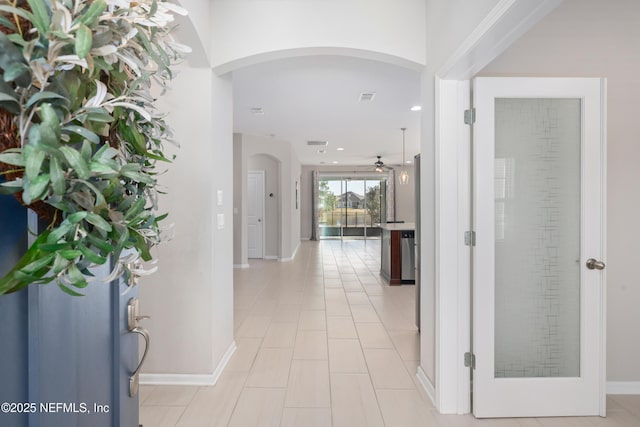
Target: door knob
(593, 264)
(259, 220)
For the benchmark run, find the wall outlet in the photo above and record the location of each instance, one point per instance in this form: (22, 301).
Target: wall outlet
(220, 221)
(220, 198)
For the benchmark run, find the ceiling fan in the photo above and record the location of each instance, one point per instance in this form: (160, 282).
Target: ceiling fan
(380, 166)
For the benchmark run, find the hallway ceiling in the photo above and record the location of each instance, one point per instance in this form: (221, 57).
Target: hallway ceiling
(317, 98)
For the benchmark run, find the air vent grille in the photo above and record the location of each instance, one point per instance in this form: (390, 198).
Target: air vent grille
(318, 143)
(367, 96)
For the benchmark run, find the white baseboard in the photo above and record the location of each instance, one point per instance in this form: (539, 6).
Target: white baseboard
(426, 385)
(270, 257)
(239, 266)
(623, 387)
(190, 379)
(292, 256)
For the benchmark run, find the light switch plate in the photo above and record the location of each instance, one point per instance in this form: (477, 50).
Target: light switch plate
(220, 221)
(220, 198)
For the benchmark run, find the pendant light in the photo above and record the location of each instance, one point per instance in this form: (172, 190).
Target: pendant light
(404, 176)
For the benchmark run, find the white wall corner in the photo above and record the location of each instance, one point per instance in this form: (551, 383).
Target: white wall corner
(623, 387)
(427, 385)
(190, 379)
(292, 257)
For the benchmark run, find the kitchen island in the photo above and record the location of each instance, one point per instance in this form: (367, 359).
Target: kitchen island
(397, 257)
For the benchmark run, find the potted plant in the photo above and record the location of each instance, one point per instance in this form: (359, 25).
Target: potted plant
(80, 140)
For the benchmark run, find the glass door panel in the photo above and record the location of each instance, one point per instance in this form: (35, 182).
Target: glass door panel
(351, 207)
(537, 237)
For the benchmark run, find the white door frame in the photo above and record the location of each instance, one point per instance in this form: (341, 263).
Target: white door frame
(508, 20)
(262, 174)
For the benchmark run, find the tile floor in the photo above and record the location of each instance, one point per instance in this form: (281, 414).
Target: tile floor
(322, 342)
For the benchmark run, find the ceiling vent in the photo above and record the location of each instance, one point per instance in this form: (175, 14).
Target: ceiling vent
(318, 143)
(367, 96)
(257, 111)
(322, 151)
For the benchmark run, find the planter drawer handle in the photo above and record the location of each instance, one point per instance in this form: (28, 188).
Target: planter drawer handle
(133, 317)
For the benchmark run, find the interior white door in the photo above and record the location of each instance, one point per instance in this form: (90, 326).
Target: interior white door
(539, 217)
(255, 210)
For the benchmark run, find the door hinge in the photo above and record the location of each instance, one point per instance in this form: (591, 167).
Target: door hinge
(470, 360)
(470, 116)
(470, 238)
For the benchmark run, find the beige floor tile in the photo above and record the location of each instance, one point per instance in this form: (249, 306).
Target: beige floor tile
(375, 289)
(290, 298)
(306, 417)
(338, 307)
(258, 407)
(341, 327)
(629, 402)
(346, 356)
(364, 313)
(171, 395)
(353, 401)
(373, 335)
(160, 416)
(267, 308)
(280, 335)
(312, 320)
(144, 392)
(352, 287)
(244, 356)
(313, 302)
(311, 345)
(308, 384)
(407, 343)
(213, 406)
(356, 298)
(254, 327)
(387, 369)
(271, 368)
(403, 408)
(287, 313)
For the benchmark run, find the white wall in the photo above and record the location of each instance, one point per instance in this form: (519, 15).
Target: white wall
(289, 173)
(405, 198)
(194, 285)
(241, 28)
(449, 23)
(600, 39)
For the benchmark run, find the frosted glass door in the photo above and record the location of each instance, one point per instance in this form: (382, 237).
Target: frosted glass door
(538, 216)
(537, 237)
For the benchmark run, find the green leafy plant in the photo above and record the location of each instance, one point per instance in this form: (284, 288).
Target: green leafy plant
(86, 142)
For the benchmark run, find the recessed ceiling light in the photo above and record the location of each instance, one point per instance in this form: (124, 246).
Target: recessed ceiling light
(257, 111)
(416, 108)
(408, 161)
(339, 149)
(335, 162)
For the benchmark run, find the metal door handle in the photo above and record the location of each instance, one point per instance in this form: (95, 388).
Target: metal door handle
(133, 317)
(593, 264)
(134, 379)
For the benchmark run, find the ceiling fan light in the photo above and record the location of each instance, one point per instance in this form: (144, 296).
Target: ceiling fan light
(378, 169)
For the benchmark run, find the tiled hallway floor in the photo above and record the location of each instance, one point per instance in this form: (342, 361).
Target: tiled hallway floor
(321, 342)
